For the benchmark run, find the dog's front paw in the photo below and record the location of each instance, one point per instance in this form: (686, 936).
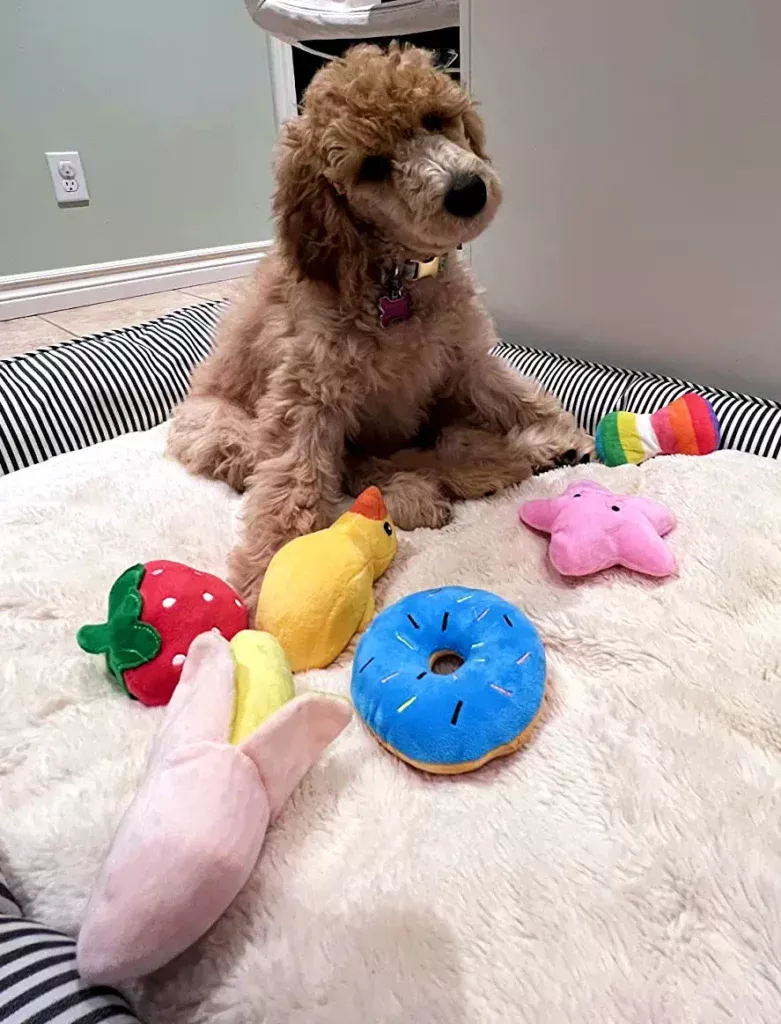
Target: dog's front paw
(211, 438)
(414, 501)
(563, 445)
(573, 457)
(428, 515)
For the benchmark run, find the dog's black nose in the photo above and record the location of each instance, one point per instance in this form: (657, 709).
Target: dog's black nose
(467, 196)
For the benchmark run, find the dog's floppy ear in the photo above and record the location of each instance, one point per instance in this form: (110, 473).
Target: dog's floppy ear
(316, 232)
(475, 132)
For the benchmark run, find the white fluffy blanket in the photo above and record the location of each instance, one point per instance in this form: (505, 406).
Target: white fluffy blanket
(624, 867)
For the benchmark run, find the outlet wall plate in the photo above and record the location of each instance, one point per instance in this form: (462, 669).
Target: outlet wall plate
(68, 178)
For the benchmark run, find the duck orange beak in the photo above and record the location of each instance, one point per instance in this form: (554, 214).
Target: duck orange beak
(370, 505)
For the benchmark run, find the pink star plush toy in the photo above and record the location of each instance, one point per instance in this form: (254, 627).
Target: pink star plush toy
(592, 529)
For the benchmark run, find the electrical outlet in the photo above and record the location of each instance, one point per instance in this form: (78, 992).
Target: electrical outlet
(68, 178)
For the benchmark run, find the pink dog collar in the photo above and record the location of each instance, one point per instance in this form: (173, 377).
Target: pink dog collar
(395, 306)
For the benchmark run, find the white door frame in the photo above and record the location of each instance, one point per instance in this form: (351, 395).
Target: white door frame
(465, 42)
(283, 82)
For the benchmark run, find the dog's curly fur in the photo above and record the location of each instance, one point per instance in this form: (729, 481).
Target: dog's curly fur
(305, 394)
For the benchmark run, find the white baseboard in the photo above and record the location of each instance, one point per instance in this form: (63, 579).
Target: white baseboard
(50, 290)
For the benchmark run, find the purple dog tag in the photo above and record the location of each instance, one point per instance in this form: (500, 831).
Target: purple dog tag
(395, 309)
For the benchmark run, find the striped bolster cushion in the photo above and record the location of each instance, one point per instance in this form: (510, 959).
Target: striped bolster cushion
(590, 391)
(39, 983)
(78, 393)
(75, 394)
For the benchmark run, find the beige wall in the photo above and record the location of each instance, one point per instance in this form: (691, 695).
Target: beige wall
(169, 104)
(640, 144)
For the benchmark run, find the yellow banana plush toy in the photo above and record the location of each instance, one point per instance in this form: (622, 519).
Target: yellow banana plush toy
(317, 591)
(263, 680)
(232, 748)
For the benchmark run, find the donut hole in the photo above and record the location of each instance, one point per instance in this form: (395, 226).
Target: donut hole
(445, 663)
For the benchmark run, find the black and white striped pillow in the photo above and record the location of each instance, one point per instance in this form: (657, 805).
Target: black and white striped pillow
(39, 983)
(78, 393)
(748, 424)
(590, 391)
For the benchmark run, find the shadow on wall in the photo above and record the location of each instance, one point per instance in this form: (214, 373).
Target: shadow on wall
(686, 367)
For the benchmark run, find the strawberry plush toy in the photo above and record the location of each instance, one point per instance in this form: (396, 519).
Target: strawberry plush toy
(155, 611)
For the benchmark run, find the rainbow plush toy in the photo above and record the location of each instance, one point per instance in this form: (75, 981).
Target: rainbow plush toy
(687, 426)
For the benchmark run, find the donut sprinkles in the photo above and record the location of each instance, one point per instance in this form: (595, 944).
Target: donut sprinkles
(448, 679)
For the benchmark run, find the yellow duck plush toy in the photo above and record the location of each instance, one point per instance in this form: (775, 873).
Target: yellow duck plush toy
(317, 591)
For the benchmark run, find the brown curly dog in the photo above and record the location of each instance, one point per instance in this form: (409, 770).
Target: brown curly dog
(357, 357)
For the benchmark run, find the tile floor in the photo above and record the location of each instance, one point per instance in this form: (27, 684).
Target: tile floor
(30, 332)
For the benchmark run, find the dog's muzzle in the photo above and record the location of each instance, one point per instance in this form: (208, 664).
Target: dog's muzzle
(466, 196)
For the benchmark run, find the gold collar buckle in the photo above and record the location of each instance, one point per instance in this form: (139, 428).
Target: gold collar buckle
(416, 270)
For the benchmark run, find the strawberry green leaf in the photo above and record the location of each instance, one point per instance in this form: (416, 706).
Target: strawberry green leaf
(94, 639)
(134, 643)
(127, 583)
(126, 641)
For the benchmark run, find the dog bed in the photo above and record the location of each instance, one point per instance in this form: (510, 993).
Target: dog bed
(625, 866)
(39, 982)
(78, 393)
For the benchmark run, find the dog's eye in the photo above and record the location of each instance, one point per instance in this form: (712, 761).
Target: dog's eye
(375, 168)
(434, 122)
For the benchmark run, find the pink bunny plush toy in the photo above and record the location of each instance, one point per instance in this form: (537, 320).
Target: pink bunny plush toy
(193, 833)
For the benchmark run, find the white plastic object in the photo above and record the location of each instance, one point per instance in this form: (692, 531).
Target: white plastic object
(66, 169)
(294, 20)
(68, 178)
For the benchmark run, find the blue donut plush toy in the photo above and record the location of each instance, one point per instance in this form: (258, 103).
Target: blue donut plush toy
(454, 722)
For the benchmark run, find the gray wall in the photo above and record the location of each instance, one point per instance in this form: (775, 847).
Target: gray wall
(169, 104)
(640, 145)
